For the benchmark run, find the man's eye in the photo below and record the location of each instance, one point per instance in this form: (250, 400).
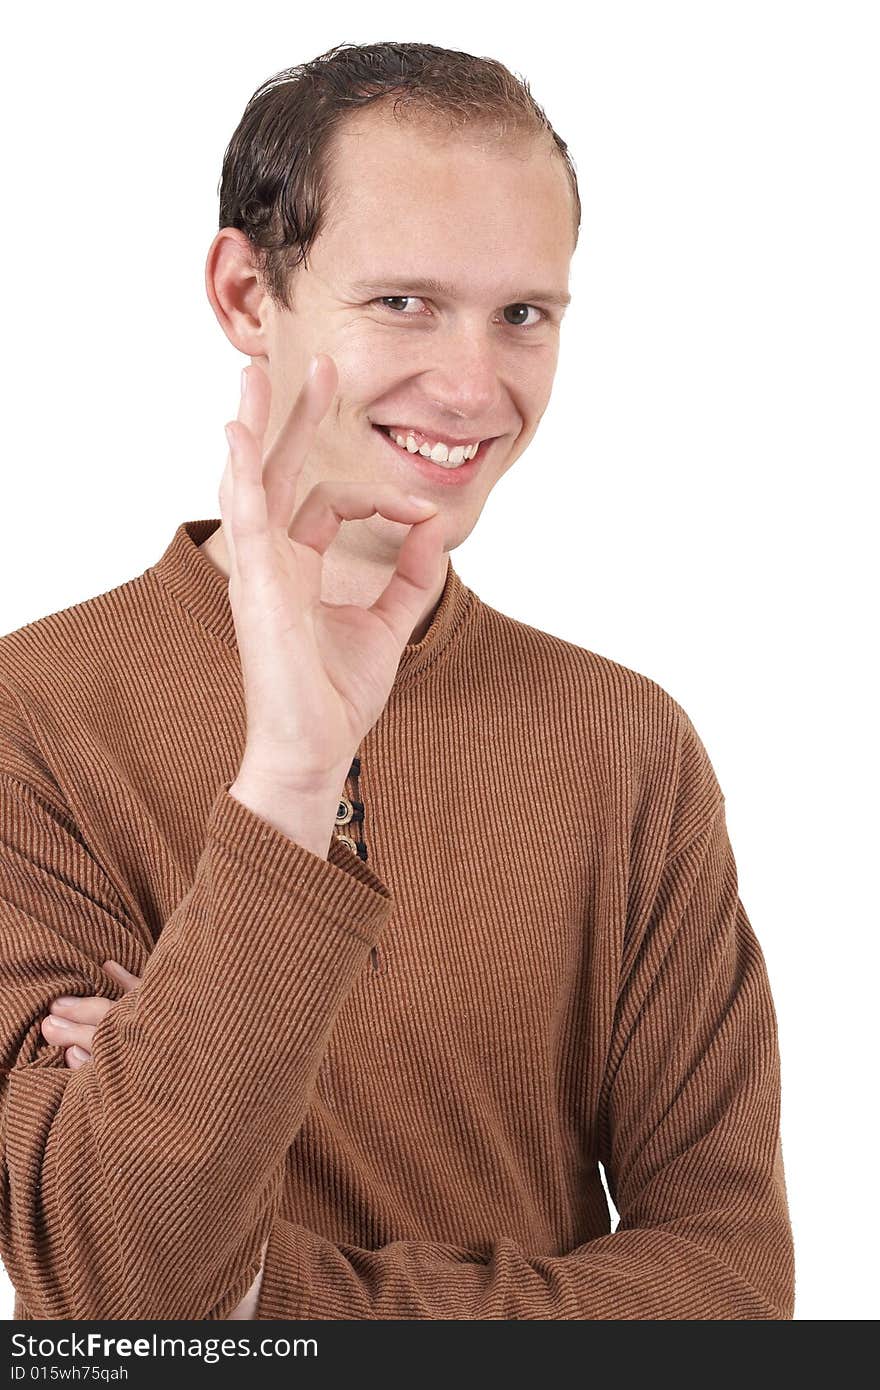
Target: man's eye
(391, 301)
(518, 309)
(513, 313)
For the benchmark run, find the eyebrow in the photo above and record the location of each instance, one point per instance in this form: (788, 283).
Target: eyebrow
(428, 285)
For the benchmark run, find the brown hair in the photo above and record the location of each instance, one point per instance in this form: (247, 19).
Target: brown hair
(274, 183)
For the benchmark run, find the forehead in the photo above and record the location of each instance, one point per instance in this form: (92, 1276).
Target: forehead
(421, 186)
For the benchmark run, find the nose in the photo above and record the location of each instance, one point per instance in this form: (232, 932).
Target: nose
(464, 382)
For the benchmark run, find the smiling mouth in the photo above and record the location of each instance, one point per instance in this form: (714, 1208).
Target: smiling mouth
(414, 443)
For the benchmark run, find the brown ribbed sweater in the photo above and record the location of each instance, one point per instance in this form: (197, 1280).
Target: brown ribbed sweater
(525, 953)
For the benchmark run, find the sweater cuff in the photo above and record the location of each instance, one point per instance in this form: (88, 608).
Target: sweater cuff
(342, 882)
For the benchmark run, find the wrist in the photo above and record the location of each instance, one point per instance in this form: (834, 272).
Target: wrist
(263, 775)
(305, 814)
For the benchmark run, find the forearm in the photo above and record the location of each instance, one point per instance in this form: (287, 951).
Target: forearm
(634, 1275)
(165, 1154)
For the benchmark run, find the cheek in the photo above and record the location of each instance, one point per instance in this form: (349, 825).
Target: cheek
(366, 360)
(530, 392)
(371, 365)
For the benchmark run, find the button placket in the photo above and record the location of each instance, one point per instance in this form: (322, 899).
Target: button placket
(350, 814)
(349, 827)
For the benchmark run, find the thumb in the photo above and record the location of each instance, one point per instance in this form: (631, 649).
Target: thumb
(121, 975)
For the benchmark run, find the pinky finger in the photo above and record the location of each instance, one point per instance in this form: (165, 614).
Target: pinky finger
(76, 1057)
(249, 532)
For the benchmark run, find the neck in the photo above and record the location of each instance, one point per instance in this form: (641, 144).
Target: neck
(346, 578)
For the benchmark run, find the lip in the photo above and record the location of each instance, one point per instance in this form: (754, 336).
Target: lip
(434, 472)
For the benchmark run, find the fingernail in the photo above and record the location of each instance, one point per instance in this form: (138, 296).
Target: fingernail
(80, 1052)
(230, 435)
(61, 1022)
(244, 382)
(64, 999)
(313, 367)
(419, 501)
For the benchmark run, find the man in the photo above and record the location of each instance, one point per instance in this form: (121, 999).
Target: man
(411, 914)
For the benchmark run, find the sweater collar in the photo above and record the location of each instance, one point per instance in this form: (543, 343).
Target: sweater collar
(193, 581)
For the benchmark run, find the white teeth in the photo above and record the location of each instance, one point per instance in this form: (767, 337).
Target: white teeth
(438, 453)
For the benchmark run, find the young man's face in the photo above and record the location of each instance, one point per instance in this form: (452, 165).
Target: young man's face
(472, 361)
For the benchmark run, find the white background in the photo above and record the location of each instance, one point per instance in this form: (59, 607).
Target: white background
(697, 503)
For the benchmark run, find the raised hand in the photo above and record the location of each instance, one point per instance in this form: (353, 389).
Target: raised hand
(316, 675)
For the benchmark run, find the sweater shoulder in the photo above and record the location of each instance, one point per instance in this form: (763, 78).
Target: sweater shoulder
(610, 714)
(71, 658)
(610, 688)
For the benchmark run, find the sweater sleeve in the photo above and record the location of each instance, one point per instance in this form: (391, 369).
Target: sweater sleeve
(145, 1184)
(688, 1135)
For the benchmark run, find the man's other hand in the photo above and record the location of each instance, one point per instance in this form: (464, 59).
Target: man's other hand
(71, 1021)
